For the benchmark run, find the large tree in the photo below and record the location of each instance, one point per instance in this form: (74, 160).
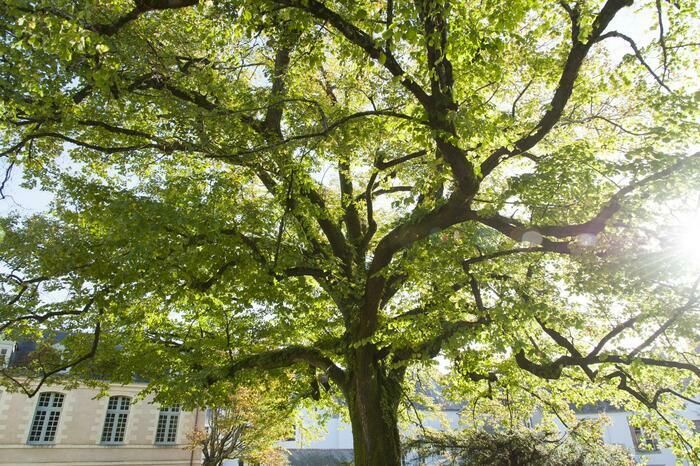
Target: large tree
(342, 190)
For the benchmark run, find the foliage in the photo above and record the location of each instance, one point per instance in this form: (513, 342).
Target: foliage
(330, 194)
(248, 427)
(519, 447)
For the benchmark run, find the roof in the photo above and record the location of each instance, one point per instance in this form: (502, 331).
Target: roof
(319, 457)
(597, 407)
(22, 355)
(435, 393)
(24, 348)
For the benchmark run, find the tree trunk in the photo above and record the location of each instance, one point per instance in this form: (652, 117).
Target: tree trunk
(373, 398)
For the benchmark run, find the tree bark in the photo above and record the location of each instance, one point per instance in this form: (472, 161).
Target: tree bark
(373, 396)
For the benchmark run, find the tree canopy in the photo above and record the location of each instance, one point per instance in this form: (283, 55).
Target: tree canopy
(333, 193)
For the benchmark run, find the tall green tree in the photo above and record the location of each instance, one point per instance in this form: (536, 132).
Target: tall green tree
(340, 191)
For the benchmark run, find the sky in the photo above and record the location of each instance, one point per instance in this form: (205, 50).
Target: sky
(22, 200)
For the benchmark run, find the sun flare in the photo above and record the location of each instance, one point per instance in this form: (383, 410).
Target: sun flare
(687, 238)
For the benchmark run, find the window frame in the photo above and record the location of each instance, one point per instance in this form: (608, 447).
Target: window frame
(118, 417)
(49, 405)
(649, 445)
(167, 425)
(5, 355)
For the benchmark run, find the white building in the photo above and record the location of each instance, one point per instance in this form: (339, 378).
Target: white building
(335, 441)
(620, 432)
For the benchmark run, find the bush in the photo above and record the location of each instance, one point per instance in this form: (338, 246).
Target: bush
(519, 447)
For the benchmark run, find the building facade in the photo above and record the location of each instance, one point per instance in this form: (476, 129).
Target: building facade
(72, 427)
(59, 427)
(645, 449)
(331, 444)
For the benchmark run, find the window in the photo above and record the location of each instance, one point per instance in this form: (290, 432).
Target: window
(166, 430)
(45, 422)
(643, 441)
(115, 419)
(3, 357)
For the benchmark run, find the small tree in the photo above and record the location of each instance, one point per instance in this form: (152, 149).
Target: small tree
(247, 427)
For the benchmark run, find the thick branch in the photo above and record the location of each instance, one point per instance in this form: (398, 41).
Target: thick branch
(109, 29)
(431, 347)
(285, 357)
(553, 370)
(515, 230)
(565, 87)
(381, 165)
(403, 236)
(352, 216)
(142, 6)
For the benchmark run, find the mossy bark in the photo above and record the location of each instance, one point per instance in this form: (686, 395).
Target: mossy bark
(373, 395)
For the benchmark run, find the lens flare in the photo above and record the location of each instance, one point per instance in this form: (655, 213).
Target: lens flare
(688, 238)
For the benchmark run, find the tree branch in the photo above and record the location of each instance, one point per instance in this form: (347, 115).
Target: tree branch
(381, 165)
(514, 229)
(565, 87)
(638, 54)
(431, 348)
(46, 375)
(285, 357)
(361, 39)
(109, 29)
